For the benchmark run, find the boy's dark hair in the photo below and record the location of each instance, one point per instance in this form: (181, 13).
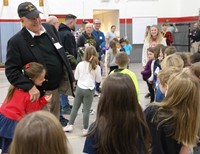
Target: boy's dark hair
(85, 22)
(122, 59)
(185, 58)
(113, 26)
(195, 57)
(122, 40)
(170, 50)
(70, 16)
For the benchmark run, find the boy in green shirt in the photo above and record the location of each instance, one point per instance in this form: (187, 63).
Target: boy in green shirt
(122, 61)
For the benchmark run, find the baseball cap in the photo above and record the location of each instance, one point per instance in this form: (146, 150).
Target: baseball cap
(27, 10)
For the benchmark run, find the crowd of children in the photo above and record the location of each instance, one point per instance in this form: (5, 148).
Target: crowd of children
(169, 125)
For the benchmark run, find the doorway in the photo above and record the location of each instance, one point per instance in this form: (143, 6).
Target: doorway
(108, 18)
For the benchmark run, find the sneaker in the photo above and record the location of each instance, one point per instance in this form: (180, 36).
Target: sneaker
(67, 111)
(68, 128)
(63, 121)
(85, 131)
(147, 95)
(96, 93)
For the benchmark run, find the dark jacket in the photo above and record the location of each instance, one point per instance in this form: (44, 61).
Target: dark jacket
(162, 142)
(22, 49)
(67, 39)
(90, 40)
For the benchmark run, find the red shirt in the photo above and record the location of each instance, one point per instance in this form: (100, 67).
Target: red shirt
(20, 105)
(169, 37)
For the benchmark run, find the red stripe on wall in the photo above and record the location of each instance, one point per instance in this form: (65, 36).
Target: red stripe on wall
(9, 20)
(79, 21)
(179, 19)
(122, 20)
(126, 20)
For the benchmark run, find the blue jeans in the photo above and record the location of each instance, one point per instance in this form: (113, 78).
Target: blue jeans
(159, 95)
(64, 103)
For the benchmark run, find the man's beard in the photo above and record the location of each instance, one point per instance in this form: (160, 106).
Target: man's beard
(73, 28)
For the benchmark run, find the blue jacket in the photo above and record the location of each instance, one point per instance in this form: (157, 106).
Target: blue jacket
(101, 38)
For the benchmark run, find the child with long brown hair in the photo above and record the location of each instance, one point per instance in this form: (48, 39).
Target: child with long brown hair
(87, 73)
(120, 126)
(17, 104)
(174, 123)
(111, 54)
(39, 133)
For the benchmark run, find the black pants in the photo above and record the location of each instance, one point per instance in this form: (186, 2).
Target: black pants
(151, 91)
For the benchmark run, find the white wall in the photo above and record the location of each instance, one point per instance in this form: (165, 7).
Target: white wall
(84, 8)
(190, 7)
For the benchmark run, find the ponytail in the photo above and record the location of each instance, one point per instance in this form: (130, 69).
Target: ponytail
(93, 62)
(11, 90)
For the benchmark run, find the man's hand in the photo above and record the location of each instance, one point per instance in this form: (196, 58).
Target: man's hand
(34, 94)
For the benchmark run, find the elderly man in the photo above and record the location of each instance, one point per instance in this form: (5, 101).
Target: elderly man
(39, 43)
(53, 20)
(87, 38)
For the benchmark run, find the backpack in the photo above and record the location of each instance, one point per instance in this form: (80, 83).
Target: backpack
(80, 53)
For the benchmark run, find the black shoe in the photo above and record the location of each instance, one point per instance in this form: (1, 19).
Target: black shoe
(63, 121)
(147, 95)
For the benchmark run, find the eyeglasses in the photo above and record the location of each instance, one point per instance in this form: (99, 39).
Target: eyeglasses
(98, 23)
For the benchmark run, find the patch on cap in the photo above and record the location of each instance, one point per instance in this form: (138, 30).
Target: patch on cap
(27, 10)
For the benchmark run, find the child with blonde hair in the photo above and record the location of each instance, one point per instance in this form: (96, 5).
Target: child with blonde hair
(164, 75)
(153, 38)
(87, 73)
(39, 133)
(17, 104)
(174, 123)
(172, 60)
